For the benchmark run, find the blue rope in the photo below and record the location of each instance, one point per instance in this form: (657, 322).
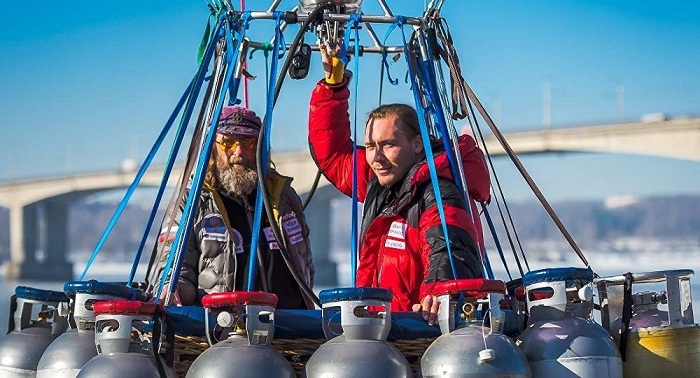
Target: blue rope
(130, 191)
(193, 196)
(176, 146)
(428, 80)
(431, 91)
(166, 174)
(134, 184)
(355, 20)
(264, 155)
(177, 245)
(200, 172)
(236, 81)
(400, 21)
(434, 100)
(385, 63)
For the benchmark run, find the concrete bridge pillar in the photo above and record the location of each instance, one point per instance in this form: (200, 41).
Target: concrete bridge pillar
(56, 244)
(25, 237)
(21, 219)
(23, 240)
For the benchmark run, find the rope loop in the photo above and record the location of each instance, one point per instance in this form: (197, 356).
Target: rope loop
(385, 63)
(355, 19)
(279, 36)
(353, 24)
(400, 21)
(246, 16)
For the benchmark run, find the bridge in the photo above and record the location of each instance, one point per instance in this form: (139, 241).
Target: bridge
(45, 201)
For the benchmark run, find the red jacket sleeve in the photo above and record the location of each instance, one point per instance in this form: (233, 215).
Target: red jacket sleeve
(437, 263)
(478, 179)
(475, 169)
(329, 139)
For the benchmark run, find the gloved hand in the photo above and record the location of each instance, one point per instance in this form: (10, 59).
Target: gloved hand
(332, 66)
(174, 299)
(185, 294)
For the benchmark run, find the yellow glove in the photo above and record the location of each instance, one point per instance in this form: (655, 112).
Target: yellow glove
(336, 73)
(333, 67)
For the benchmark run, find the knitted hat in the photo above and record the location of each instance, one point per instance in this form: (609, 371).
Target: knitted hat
(238, 121)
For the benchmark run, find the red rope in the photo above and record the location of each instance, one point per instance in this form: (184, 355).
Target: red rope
(245, 66)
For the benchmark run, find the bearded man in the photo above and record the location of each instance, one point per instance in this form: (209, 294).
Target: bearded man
(218, 246)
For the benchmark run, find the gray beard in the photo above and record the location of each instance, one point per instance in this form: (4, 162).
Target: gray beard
(237, 180)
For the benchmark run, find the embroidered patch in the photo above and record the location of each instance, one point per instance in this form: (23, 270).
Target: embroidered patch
(214, 228)
(270, 237)
(397, 230)
(238, 241)
(396, 244)
(292, 226)
(296, 239)
(167, 235)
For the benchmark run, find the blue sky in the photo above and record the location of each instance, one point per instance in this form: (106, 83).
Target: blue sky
(85, 85)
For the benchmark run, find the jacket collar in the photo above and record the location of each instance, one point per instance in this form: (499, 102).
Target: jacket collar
(442, 163)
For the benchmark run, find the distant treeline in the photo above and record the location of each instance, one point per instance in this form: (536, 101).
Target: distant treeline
(591, 223)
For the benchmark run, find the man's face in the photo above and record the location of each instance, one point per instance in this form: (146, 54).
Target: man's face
(389, 151)
(233, 151)
(235, 164)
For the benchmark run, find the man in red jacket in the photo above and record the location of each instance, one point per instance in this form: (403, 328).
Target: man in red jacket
(402, 245)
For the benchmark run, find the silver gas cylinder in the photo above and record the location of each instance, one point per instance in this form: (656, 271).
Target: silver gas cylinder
(123, 350)
(246, 319)
(36, 324)
(562, 340)
(468, 347)
(361, 350)
(650, 316)
(74, 348)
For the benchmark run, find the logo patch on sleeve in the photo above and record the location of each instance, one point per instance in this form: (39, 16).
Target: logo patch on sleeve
(292, 226)
(238, 241)
(214, 228)
(397, 230)
(296, 239)
(270, 237)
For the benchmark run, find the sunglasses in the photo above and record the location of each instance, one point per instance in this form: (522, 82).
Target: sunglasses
(229, 144)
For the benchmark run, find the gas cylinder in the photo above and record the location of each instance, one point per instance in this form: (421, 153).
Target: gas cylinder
(517, 304)
(36, 323)
(562, 340)
(74, 348)
(247, 321)
(361, 349)
(468, 347)
(661, 337)
(123, 350)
